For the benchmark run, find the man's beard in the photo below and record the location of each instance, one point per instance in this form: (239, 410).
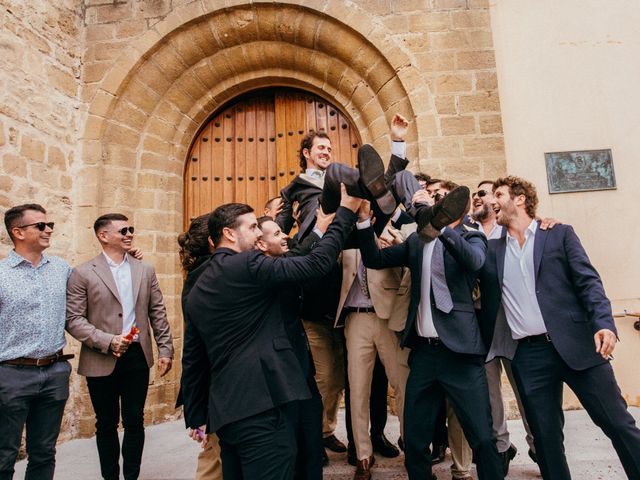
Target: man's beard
(482, 214)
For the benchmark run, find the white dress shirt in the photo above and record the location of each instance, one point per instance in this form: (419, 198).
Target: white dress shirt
(122, 275)
(519, 287)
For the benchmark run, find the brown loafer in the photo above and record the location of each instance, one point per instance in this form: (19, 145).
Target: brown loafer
(363, 469)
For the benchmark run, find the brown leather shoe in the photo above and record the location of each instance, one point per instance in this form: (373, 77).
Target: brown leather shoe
(333, 444)
(363, 469)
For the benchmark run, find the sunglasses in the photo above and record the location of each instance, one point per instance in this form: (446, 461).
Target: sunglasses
(39, 225)
(439, 196)
(480, 193)
(123, 231)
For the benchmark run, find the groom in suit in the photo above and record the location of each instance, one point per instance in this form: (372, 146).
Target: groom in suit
(447, 351)
(106, 297)
(561, 324)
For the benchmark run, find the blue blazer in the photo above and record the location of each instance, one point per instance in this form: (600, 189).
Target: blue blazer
(569, 291)
(464, 255)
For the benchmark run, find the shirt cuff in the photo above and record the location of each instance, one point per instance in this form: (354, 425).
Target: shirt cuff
(317, 231)
(396, 215)
(364, 224)
(399, 149)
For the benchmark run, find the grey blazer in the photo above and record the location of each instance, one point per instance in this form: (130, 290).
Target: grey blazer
(94, 314)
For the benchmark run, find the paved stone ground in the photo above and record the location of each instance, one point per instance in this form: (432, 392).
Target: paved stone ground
(170, 455)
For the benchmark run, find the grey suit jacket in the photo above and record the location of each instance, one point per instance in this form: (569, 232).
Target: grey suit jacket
(94, 314)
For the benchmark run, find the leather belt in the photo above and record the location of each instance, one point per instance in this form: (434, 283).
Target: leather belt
(433, 341)
(39, 362)
(360, 309)
(543, 337)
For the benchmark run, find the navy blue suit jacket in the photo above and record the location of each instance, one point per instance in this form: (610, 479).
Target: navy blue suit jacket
(238, 315)
(569, 291)
(464, 255)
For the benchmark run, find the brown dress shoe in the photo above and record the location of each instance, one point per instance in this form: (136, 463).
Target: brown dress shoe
(333, 444)
(363, 469)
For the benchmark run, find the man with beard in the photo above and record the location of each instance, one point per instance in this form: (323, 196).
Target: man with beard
(561, 319)
(238, 314)
(501, 345)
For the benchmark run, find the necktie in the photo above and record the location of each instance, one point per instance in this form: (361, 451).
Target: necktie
(441, 293)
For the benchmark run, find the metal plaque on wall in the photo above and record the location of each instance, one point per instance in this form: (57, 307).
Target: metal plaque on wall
(580, 171)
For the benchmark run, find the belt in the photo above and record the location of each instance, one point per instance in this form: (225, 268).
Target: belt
(543, 337)
(39, 362)
(433, 341)
(360, 309)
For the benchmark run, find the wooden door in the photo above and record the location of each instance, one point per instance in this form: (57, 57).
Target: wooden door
(250, 150)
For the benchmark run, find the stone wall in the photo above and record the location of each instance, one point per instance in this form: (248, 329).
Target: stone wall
(101, 100)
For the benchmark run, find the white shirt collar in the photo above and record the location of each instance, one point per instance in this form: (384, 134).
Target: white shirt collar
(113, 264)
(314, 172)
(531, 230)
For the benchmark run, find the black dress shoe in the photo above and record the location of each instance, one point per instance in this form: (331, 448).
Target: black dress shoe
(438, 453)
(533, 456)
(333, 444)
(507, 456)
(325, 458)
(335, 174)
(372, 178)
(384, 447)
(446, 211)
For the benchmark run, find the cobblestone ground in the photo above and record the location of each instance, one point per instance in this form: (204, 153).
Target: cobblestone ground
(170, 455)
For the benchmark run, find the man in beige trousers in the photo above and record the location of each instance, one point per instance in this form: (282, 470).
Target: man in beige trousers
(106, 297)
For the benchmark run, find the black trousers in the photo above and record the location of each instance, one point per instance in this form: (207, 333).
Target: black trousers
(463, 378)
(35, 397)
(540, 372)
(124, 391)
(309, 461)
(260, 447)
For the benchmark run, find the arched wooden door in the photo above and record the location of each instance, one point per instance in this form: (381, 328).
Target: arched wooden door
(250, 150)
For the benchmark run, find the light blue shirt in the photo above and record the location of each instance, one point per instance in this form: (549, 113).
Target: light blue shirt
(519, 287)
(122, 275)
(32, 306)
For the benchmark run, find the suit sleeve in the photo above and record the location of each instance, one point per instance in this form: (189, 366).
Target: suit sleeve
(469, 250)
(309, 267)
(158, 317)
(78, 324)
(373, 257)
(195, 377)
(285, 218)
(305, 246)
(587, 283)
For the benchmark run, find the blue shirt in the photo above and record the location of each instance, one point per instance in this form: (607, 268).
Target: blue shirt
(32, 306)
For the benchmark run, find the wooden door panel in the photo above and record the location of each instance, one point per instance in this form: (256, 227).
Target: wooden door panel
(249, 151)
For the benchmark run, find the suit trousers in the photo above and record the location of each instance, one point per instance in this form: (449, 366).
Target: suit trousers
(310, 460)
(125, 388)
(367, 336)
(327, 350)
(461, 452)
(35, 397)
(494, 380)
(540, 373)
(260, 447)
(209, 464)
(434, 368)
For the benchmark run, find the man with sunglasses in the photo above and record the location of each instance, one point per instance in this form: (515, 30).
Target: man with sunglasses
(106, 297)
(34, 373)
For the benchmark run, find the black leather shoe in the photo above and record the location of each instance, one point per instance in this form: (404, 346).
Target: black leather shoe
(384, 447)
(351, 455)
(445, 211)
(335, 174)
(438, 453)
(333, 444)
(507, 456)
(533, 456)
(371, 171)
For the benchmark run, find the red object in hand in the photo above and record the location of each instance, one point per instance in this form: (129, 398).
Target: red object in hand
(132, 333)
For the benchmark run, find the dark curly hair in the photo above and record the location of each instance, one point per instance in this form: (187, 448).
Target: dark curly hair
(307, 142)
(194, 243)
(520, 186)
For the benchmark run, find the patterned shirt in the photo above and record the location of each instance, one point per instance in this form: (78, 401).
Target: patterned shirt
(32, 306)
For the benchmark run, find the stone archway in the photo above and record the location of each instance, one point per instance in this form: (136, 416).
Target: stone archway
(149, 106)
